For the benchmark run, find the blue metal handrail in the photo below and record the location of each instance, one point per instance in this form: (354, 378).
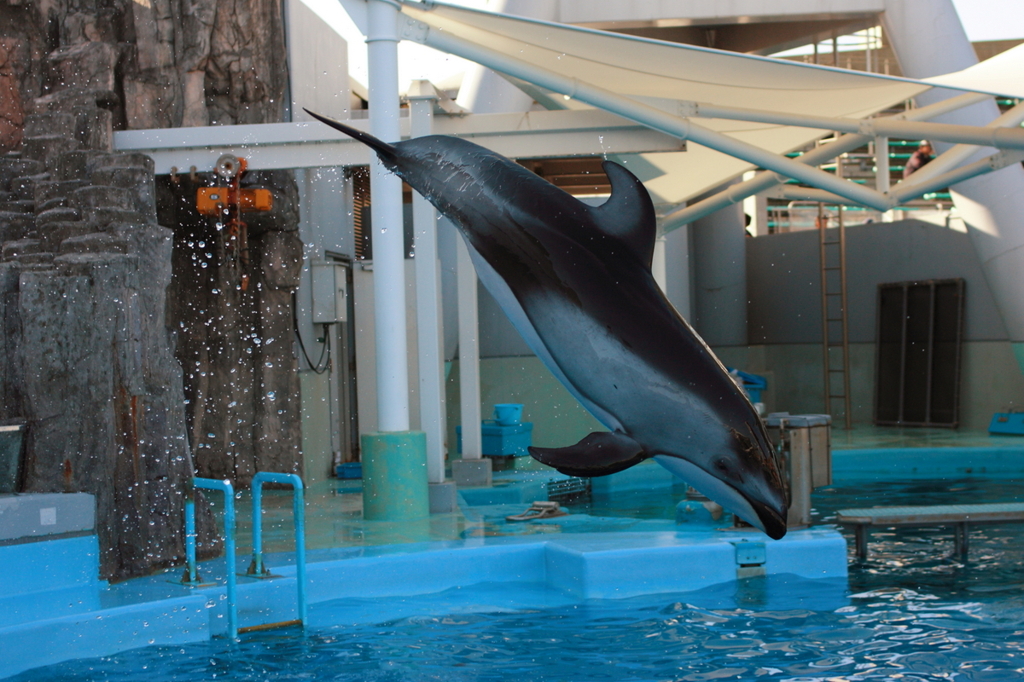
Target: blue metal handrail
(192, 576)
(257, 567)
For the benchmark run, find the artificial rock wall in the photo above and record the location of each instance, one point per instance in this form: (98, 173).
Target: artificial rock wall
(89, 340)
(155, 64)
(234, 337)
(87, 355)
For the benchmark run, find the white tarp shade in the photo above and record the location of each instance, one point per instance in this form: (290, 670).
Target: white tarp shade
(1000, 75)
(664, 74)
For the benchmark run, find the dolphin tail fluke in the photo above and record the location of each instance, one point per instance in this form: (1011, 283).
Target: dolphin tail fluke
(598, 454)
(386, 151)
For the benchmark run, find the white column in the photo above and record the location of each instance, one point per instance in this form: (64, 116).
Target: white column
(720, 277)
(422, 98)
(386, 218)
(469, 354)
(756, 206)
(677, 270)
(658, 262)
(882, 173)
(991, 205)
(882, 164)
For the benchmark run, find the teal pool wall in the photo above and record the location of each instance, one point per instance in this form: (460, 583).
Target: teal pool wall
(52, 595)
(877, 464)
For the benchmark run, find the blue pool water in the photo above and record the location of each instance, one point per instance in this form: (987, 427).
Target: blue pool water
(911, 612)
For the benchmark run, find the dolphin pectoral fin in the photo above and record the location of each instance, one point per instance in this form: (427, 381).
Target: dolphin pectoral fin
(598, 454)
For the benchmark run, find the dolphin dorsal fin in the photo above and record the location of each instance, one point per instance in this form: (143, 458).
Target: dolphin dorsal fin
(628, 215)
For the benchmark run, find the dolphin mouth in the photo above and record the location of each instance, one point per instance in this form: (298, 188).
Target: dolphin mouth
(773, 522)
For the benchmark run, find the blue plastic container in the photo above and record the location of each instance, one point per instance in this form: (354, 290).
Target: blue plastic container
(753, 384)
(503, 441)
(1007, 424)
(508, 414)
(349, 470)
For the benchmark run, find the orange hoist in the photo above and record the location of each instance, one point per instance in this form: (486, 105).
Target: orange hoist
(227, 205)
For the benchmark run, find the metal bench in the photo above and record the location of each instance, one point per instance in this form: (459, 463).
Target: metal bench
(960, 516)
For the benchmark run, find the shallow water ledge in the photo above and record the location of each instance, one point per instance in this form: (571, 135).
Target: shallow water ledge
(99, 619)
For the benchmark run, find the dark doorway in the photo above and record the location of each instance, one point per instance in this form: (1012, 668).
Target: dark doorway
(920, 329)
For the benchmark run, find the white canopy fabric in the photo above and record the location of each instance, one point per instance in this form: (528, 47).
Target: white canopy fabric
(665, 74)
(999, 75)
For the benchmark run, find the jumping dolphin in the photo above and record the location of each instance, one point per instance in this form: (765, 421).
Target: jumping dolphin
(576, 282)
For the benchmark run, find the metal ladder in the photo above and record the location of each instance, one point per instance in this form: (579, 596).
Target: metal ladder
(834, 312)
(191, 577)
(257, 569)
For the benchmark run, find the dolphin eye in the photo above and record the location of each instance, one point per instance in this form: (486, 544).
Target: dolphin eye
(721, 466)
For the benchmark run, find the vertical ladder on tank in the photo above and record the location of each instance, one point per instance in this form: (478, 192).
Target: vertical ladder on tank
(834, 327)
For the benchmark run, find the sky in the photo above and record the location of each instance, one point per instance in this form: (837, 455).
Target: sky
(982, 20)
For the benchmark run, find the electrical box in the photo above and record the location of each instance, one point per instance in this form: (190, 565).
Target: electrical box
(330, 292)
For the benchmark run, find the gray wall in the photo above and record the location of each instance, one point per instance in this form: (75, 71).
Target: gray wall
(784, 328)
(784, 317)
(784, 280)
(720, 276)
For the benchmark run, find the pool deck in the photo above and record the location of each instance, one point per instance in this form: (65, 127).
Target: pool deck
(868, 437)
(382, 570)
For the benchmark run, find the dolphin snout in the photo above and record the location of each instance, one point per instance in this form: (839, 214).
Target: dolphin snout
(772, 520)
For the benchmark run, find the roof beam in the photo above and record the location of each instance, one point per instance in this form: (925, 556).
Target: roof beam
(767, 179)
(907, 190)
(957, 154)
(647, 115)
(797, 193)
(999, 137)
(537, 134)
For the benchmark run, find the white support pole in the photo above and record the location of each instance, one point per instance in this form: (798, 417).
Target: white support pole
(658, 264)
(469, 354)
(386, 217)
(882, 164)
(756, 208)
(794, 193)
(422, 98)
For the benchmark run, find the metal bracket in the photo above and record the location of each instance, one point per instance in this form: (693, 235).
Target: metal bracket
(414, 30)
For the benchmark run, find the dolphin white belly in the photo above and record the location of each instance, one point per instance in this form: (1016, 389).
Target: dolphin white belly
(521, 321)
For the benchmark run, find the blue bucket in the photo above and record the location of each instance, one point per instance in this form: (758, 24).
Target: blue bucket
(508, 414)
